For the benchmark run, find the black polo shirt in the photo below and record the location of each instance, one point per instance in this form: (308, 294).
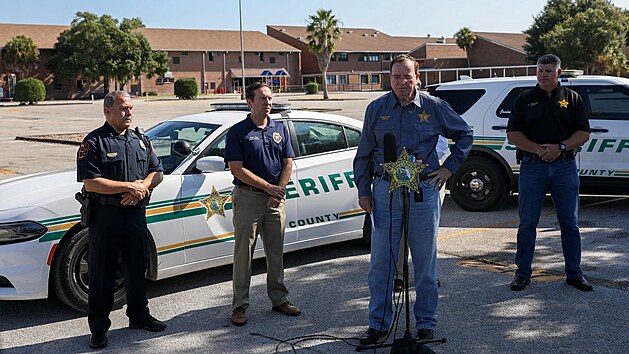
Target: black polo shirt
(260, 150)
(547, 119)
(106, 153)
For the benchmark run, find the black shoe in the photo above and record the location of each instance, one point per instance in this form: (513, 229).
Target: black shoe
(371, 336)
(424, 334)
(580, 283)
(98, 340)
(150, 324)
(519, 283)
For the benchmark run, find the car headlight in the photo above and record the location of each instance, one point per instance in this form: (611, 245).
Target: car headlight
(21, 231)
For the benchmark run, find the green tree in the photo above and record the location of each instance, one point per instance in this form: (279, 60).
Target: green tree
(465, 38)
(592, 39)
(20, 56)
(323, 32)
(98, 47)
(555, 11)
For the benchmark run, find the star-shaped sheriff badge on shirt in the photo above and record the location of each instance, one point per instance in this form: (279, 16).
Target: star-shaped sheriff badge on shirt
(404, 172)
(563, 104)
(215, 204)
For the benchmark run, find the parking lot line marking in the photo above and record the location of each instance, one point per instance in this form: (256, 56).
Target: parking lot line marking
(515, 221)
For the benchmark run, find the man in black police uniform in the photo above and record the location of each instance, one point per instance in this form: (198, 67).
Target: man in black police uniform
(118, 168)
(548, 124)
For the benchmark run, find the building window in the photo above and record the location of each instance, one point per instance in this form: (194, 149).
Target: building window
(272, 60)
(175, 60)
(184, 54)
(375, 78)
(343, 79)
(368, 57)
(164, 80)
(331, 79)
(374, 57)
(333, 57)
(212, 85)
(261, 55)
(58, 87)
(210, 56)
(362, 56)
(387, 56)
(239, 59)
(342, 56)
(80, 85)
(364, 79)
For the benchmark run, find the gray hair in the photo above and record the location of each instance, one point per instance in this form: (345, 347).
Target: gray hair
(108, 102)
(551, 59)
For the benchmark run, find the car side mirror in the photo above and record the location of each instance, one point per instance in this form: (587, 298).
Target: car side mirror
(211, 164)
(182, 148)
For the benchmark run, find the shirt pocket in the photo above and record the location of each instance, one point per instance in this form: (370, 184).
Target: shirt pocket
(113, 166)
(381, 127)
(142, 158)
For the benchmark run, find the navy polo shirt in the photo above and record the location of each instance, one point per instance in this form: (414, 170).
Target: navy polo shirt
(106, 153)
(260, 150)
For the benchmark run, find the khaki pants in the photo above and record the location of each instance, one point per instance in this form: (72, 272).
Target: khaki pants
(252, 216)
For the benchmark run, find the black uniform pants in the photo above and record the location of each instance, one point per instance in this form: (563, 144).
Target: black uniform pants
(114, 231)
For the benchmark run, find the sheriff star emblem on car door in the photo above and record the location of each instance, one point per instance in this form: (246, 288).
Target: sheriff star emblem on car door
(214, 203)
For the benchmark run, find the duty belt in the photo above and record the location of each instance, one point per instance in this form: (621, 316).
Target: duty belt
(568, 155)
(251, 188)
(386, 177)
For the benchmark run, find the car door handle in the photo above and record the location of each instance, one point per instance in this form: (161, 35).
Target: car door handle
(499, 127)
(599, 130)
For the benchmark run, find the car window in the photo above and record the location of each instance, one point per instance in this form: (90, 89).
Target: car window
(460, 100)
(504, 109)
(316, 137)
(217, 148)
(606, 102)
(353, 136)
(165, 135)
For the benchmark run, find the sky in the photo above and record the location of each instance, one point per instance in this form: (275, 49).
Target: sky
(404, 18)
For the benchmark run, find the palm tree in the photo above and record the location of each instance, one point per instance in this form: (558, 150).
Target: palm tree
(465, 38)
(21, 55)
(323, 32)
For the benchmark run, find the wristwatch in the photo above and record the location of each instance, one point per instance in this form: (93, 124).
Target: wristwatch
(563, 147)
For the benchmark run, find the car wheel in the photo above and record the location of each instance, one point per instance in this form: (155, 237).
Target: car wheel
(70, 279)
(366, 240)
(479, 185)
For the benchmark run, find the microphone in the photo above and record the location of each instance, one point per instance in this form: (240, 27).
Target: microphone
(390, 147)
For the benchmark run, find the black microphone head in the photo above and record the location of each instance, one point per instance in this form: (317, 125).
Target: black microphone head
(390, 147)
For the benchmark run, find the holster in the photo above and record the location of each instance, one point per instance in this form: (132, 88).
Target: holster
(88, 205)
(519, 154)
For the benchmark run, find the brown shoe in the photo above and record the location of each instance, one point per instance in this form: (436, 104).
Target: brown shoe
(239, 318)
(398, 285)
(288, 309)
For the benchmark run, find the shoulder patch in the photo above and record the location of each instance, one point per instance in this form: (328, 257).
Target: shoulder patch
(277, 137)
(83, 150)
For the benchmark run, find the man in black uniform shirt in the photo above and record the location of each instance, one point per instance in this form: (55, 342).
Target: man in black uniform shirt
(548, 124)
(118, 168)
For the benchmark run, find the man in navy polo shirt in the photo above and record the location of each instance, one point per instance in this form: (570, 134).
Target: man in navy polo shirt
(259, 154)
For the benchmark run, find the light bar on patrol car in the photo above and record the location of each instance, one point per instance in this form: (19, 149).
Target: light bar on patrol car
(240, 106)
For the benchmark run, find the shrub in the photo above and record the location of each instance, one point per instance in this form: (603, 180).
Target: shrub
(186, 89)
(151, 93)
(30, 90)
(312, 87)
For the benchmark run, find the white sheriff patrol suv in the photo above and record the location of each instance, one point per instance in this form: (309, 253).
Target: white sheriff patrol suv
(490, 172)
(43, 247)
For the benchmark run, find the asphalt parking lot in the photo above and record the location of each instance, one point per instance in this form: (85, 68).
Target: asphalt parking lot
(477, 311)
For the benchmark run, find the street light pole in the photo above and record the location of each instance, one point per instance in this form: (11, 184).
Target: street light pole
(242, 52)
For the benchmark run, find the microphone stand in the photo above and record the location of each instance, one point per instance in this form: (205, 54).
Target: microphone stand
(407, 344)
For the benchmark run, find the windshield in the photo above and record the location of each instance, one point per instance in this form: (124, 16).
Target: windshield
(164, 136)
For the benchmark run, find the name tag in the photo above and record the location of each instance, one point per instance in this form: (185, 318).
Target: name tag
(112, 154)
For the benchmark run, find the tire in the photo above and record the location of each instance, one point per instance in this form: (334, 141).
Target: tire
(366, 240)
(69, 277)
(479, 185)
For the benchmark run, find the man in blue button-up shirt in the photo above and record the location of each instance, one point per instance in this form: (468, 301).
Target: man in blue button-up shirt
(417, 120)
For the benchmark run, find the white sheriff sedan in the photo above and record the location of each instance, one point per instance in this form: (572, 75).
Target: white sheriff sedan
(42, 244)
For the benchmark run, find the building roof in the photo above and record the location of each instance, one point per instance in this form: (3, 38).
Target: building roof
(362, 39)
(515, 41)
(45, 36)
(218, 40)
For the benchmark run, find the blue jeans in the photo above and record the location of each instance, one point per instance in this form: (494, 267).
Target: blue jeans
(422, 231)
(536, 179)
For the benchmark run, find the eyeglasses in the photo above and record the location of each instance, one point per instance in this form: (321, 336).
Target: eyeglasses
(402, 77)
